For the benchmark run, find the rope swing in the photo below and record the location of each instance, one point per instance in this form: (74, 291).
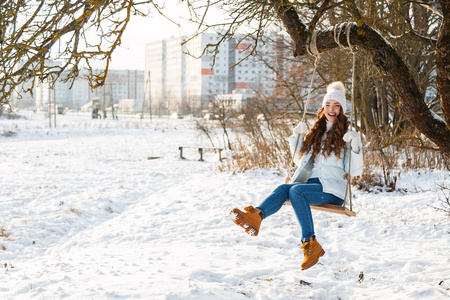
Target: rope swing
(313, 50)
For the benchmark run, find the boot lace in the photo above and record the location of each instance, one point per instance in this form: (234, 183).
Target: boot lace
(306, 247)
(250, 209)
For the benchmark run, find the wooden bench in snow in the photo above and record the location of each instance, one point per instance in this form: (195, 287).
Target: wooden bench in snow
(200, 151)
(331, 208)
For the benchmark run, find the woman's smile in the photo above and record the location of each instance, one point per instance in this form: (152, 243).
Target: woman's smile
(332, 109)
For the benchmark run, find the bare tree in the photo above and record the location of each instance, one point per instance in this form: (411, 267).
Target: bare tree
(383, 47)
(75, 32)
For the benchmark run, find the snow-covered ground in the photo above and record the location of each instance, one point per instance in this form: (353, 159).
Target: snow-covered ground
(85, 214)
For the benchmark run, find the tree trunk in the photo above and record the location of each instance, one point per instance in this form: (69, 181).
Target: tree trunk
(443, 63)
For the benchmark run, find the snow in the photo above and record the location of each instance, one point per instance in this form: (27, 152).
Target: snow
(90, 216)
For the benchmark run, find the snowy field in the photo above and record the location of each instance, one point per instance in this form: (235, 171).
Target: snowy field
(86, 215)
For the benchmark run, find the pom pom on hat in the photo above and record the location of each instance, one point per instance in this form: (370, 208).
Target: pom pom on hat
(337, 85)
(336, 91)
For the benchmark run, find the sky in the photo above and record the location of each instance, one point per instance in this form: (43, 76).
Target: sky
(142, 30)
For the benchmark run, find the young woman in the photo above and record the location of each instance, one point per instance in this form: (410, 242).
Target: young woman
(322, 160)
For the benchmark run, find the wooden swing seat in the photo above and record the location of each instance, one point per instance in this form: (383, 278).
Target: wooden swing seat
(342, 210)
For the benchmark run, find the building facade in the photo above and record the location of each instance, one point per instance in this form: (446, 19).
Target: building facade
(175, 70)
(155, 77)
(186, 77)
(120, 85)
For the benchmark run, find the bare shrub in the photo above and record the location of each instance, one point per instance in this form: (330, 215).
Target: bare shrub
(380, 166)
(206, 129)
(8, 133)
(260, 144)
(445, 201)
(373, 179)
(387, 155)
(264, 144)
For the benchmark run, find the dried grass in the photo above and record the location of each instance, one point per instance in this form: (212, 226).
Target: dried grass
(3, 233)
(260, 149)
(76, 211)
(266, 147)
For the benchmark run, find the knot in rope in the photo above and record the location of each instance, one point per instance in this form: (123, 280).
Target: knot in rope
(337, 35)
(311, 47)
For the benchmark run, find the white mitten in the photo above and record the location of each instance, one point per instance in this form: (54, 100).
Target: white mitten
(301, 128)
(353, 138)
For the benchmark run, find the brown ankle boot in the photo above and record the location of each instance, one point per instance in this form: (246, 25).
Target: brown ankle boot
(312, 251)
(249, 220)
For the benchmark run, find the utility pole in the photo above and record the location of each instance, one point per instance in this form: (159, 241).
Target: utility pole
(49, 106)
(150, 94)
(104, 102)
(147, 90)
(54, 103)
(112, 101)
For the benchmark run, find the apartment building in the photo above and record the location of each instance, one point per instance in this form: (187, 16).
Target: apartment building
(155, 77)
(120, 85)
(42, 92)
(187, 77)
(175, 70)
(253, 72)
(207, 74)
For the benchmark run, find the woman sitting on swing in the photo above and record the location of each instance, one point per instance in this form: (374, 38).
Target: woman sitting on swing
(322, 157)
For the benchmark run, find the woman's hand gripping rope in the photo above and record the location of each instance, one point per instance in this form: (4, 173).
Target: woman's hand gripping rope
(300, 129)
(353, 138)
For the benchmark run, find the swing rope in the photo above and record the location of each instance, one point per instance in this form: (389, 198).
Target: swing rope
(312, 50)
(354, 50)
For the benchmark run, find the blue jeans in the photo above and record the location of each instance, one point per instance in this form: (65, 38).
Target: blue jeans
(301, 195)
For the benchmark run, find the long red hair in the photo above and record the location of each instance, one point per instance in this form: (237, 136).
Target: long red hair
(333, 142)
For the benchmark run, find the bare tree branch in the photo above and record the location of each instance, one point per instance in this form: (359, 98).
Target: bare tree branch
(431, 5)
(73, 32)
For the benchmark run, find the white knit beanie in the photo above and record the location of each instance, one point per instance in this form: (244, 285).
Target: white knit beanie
(336, 91)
